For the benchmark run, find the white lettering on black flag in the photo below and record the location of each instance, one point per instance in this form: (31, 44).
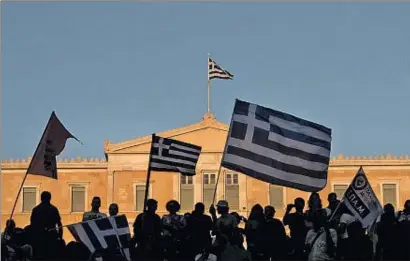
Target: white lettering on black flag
(173, 155)
(360, 199)
(51, 145)
(278, 148)
(112, 233)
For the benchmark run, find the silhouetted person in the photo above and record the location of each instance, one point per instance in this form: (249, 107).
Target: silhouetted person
(344, 221)
(254, 230)
(274, 236)
(46, 228)
(387, 231)
(404, 215)
(297, 227)
(358, 245)
(15, 243)
(333, 203)
(173, 229)
(226, 219)
(226, 248)
(239, 232)
(199, 228)
(94, 213)
(403, 218)
(113, 209)
(314, 206)
(321, 240)
(147, 233)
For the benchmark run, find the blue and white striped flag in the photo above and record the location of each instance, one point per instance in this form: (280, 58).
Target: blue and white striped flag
(278, 148)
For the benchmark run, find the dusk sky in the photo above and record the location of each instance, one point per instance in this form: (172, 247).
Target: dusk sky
(120, 70)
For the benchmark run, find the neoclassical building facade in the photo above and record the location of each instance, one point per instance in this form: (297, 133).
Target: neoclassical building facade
(120, 178)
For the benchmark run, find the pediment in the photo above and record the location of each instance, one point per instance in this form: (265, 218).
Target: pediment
(209, 133)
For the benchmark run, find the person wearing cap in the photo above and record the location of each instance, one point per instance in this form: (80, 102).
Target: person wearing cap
(225, 219)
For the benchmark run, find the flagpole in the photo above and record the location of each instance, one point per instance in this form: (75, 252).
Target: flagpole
(209, 85)
(148, 175)
(29, 166)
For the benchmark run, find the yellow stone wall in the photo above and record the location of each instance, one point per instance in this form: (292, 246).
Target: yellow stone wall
(114, 179)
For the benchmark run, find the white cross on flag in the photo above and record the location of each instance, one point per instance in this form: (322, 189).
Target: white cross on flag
(173, 155)
(360, 199)
(277, 147)
(51, 145)
(110, 233)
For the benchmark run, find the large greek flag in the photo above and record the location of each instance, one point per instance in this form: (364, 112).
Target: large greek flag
(277, 147)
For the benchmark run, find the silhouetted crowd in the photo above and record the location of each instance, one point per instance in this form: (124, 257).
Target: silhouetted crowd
(316, 234)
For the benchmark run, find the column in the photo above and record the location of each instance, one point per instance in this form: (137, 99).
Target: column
(110, 188)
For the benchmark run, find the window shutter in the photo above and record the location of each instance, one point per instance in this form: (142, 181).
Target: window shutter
(187, 197)
(140, 196)
(276, 196)
(29, 198)
(232, 196)
(340, 190)
(232, 191)
(208, 189)
(77, 198)
(390, 194)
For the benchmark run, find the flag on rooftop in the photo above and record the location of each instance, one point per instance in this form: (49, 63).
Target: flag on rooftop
(175, 156)
(110, 233)
(216, 71)
(51, 144)
(277, 147)
(361, 200)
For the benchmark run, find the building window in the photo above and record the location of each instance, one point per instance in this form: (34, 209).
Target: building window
(139, 197)
(232, 190)
(276, 197)
(187, 193)
(209, 181)
(340, 190)
(78, 198)
(29, 198)
(390, 194)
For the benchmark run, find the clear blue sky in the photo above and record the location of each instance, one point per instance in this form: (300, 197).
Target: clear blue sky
(118, 71)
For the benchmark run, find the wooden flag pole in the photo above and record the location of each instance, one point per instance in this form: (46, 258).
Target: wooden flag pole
(29, 166)
(148, 175)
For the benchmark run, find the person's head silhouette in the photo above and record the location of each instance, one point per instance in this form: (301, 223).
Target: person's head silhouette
(172, 206)
(45, 197)
(299, 204)
(152, 205)
(10, 225)
(222, 207)
(96, 204)
(113, 209)
(269, 212)
(199, 208)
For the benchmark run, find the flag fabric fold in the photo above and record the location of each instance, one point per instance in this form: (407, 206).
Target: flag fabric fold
(277, 147)
(109, 233)
(361, 200)
(174, 156)
(217, 72)
(51, 144)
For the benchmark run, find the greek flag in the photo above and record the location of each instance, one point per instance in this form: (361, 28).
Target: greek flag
(216, 71)
(173, 155)
(278, 148)
(112, 233)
